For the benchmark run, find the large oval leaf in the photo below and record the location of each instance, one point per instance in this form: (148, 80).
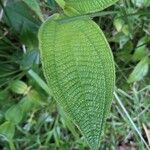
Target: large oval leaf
(78, 65)
(89, 6)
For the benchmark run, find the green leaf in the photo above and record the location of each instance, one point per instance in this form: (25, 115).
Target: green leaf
(7, 130)
(26, 105)
(140, 70)
(24, 21)
(39, 81)
(19, 87)
(35, 98)
(79, 68)
(3, 95)
(29, 59)
(141, 51)
(33, 4)
(61, 3)
(119, 23)
(141, 3)
(52, 4)
(29, 102)
(89, 6)
(20, 17)
(14, 114)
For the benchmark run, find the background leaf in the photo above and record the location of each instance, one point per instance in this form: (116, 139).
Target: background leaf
(19, 87)
(14, 114)
(34, 5)
(23, 20)
(89, 6)
(140, 70)
(80, 72)
(7, 129)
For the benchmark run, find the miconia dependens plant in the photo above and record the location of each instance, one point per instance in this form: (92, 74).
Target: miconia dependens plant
(78, 65)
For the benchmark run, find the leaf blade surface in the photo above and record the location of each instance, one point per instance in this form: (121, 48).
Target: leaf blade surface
(78, 66)
(89, 6)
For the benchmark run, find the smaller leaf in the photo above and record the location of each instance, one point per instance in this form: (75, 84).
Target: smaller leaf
(35, 98)
(14, 114)
(119, 23)
(141, 50)
(26, 105)
(7, 130)
(3, 95)
(61, 3)
(23, 21)
(33, 4)
(141, 3)
(52, 4)
(40, 81)
(29, 59)
(140, 70)
(19, 87)
(126, 30)
(21, 17)
(29, 38)
(125, 53)
(89, 6)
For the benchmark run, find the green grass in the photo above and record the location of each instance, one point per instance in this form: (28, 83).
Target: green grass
(43, 125)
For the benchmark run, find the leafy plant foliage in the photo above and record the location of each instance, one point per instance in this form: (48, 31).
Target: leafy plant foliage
(79, 68)
(30, 118)
(88, 6)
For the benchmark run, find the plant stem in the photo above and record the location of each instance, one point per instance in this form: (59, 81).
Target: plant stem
(11, 145)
